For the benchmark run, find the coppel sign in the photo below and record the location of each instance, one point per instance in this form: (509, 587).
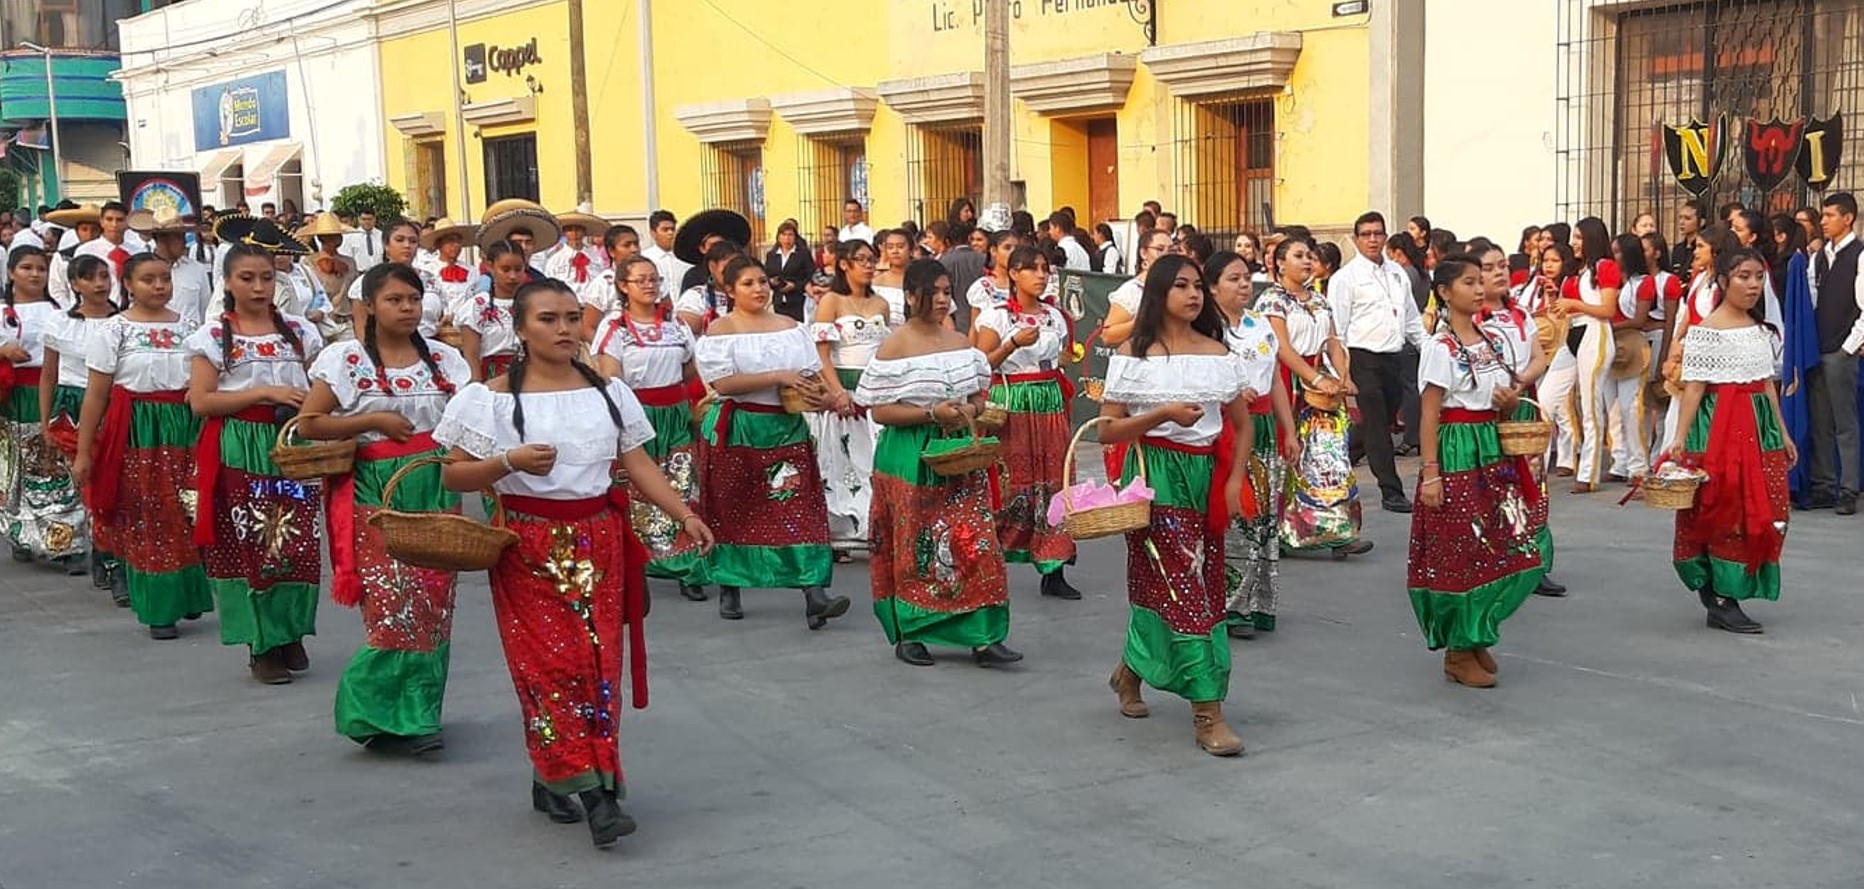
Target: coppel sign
(511, 61)
(250, 109)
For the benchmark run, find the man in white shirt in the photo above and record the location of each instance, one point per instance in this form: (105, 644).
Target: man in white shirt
(563, 263)
(193, 286)
(364, 246)
(1061, 231)
(1837, 277)
(114, 244)
(1375, 316)
(663, 225)
(854, 223)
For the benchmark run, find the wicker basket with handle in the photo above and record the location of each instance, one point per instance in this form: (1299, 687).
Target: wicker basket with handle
(442, 541)
(1526, 438)
(1671, 492)
(1100, 521)
(304, 461)
(995, 414)
(978, 453)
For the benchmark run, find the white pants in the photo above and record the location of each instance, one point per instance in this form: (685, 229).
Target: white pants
(1630, 440)
(1556, 389)
(1595, 362)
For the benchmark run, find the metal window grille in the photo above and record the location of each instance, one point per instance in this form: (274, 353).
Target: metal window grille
(733, 175)
(1624, 73)
(832, 170)
(511, 168)
(942, 165)
(1224, 164)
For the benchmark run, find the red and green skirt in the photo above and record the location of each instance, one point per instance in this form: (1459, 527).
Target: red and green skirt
(396, 682)
(260, 539)
(1731, 541)
(1175, 636)
(672, 553)
(44, 514)
(1035, 444)
(937, 570)
(1477, 557)
(763, 498)
(148, 520)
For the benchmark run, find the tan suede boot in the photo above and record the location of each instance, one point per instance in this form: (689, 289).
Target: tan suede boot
(1486, 661)
(1125, 683)
(1460, 667)
(1211, 732)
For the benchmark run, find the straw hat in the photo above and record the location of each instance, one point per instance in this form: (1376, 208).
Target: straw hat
(431, 238)
(1631, 358)
(74, 216)
(511, 214)
(255, 231)
(584, 218)
(724, 223)
(159, 221)
(325, 223)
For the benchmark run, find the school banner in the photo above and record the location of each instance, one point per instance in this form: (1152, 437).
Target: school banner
(1083, 295)
(238, 112)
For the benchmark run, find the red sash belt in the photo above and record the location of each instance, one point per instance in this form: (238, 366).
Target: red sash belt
(27, 376)
(112, 445)
(663, 396)
(340, 514)
(695, 390)
(495, 365)
(1466, 415)
(1217, 508)
(727, 407)
(207, 465)
(1043, 376)
(634, 568)
(1737, 489)
(1524, 467)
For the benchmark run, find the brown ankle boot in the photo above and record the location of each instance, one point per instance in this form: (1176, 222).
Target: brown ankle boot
(1211, 732)
(1460, 667)
(1125, 683)
(269, 668)
(1486, 661)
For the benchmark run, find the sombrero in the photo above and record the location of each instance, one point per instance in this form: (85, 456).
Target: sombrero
(325, 223)
(159, 220)
(511, 214)
(71, 217)
(584, 218)
(1631, 356)
(255, 231)
(444, 228)
(723, 223)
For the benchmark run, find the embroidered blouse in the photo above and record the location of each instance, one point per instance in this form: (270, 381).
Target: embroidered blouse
(924, 380)
(1468, 375)
(265, 360)
(1252, 339)
(853, 339)
(142, 356)
(411, 392)
(651, 355)
(1042, 355)
(1736, 355)
(721, 356)
(1310, 321)
(491, 318)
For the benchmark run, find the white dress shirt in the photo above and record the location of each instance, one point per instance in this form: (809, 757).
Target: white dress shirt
(193, 289)
(561, 266)
(1076, 255)
(1372, 306)
(859, 231)
(364, 248)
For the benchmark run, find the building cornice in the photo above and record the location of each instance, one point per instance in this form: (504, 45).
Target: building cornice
(717, 123)
(1253, 63)
(1075, 86)
(399, 18)
(498, 112)
(941, 98)
(844, 110)
(416, 124)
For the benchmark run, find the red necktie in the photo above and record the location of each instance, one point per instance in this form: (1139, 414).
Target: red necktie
(118, 258)
(580, 262)
(454, 273)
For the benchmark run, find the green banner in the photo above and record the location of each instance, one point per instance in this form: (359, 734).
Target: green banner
(1083, 295)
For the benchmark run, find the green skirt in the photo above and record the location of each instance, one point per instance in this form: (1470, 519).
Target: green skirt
(763, 498)
(264, 564)
(1175, 633)
(151, 528)
(937, 569)
(671, 552)
(1717, 557)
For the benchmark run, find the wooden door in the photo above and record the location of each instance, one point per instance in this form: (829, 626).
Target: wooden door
(1103, 171)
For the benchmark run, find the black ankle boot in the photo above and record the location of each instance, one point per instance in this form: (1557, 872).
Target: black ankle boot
(693, 592)
(559, 807)
(819, 606)
(119, 586)
(914, 653)
(1727, 615)
(729, 607)
(996, 654)
(1055, 586)
(607, 822)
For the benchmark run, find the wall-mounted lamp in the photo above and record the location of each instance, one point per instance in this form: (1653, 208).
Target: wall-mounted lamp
(536, 88)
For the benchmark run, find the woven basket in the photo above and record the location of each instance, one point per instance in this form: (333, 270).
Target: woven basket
(1526, 438)
(1670, 493)
(448, 334)
(1321, 401)
(996, 414)
(1103, 521)
(796, 398)
(978, 453)
(441, 541)
(304, 462)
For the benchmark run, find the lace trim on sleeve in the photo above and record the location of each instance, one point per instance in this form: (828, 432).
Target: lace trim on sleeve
(469, 422)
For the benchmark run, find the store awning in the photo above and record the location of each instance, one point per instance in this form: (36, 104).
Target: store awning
(260, 176)
(216, 167)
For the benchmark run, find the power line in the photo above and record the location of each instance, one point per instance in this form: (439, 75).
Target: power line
(773, 47)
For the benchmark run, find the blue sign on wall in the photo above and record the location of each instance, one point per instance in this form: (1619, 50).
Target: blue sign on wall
(250, 109)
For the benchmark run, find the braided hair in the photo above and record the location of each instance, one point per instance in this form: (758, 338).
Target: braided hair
(234, 254)
(88, 266)
(371, 285)
(514, 376)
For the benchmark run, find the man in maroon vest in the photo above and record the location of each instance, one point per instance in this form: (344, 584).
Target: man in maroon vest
(1837, 288)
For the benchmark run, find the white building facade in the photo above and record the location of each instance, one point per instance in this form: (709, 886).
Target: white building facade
(275, 102)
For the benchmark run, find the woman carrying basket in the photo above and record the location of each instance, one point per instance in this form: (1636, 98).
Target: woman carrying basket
(388, 391)
(1474, 557)
(850, 323)
(937, 570)
(61, 401)
(1728, 545)
(546, 437)
(1170, 390)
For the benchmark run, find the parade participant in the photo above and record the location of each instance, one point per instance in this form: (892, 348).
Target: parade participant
(1252, 542)
(388, 391)
(61, 402)
(663, 226)
(1665, 305)
(135, 459)
(488, 335)
(576, 262)
(36, 499)
(605, 292)
(1624, 384)
(638, 345)
(1704, 294)
(525, 224)
(937, 572)
(1026, 341)
(258, 531)
(1540, 298)
(1377, 316)
(850, 324)
(993, 289)
(114, 243)
(546, 436)
(707, 241)
(75, 225)
(762, 485)
(893, 246)
(1837, 296)
(1728, 546)
(367, 246)
(1321, 506)
(1591, 299)
(400, 242)
(1170, 391)
(332, 271)
(1123, 302)
(167, 234)
(1463, 584)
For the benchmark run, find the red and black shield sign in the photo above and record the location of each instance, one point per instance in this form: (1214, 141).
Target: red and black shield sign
(1772, 148)
(1694, 152)
(1822, 146)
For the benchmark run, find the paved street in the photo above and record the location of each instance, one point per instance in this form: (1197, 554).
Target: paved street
(1626, 746)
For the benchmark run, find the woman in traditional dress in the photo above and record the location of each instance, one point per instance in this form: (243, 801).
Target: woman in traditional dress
(400, 242)
(1704, 294)
(1123, 302)
(993, 288)
(258, 530)
(1321, 509)
(43, 516)
(1252, 542)
(546, 436)
(894, 247)
(1591, 299)
(850, 323)
(61, 402)
(388, 391)
(1473, 553)
(1170, 391)
(1540, 298)
(1728, 545)
(1026, 341)
(135, 459)
(762, 486)
(653, 355)
(937, 569)
(488, 337)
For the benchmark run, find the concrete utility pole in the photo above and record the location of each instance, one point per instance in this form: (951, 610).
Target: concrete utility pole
(458, 123)
(579, 108)
(997, 123)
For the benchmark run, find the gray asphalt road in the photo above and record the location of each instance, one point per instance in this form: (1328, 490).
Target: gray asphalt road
(1627, 746)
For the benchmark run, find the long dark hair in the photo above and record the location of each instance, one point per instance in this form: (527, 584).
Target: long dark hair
(844, 252)
(492, 255)
(87, 266)
(921, 286)
(1150, 320)
(12, 262)
(1725, 265)
(372, 283)
(1631, 259)
(234, 254)
(1447, 270)
(514, 376)
(1595, 243)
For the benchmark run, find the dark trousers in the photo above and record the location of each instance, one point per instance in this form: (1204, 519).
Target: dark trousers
(1833, 387)
(1413, 405)
(1379, 378)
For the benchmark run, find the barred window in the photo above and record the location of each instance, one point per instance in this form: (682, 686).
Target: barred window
(1224, 164)
(832, 169)
(733, 175)
(943, 164)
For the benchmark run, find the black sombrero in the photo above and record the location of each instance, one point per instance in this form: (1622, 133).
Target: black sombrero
(724, 223)
(257, 231)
